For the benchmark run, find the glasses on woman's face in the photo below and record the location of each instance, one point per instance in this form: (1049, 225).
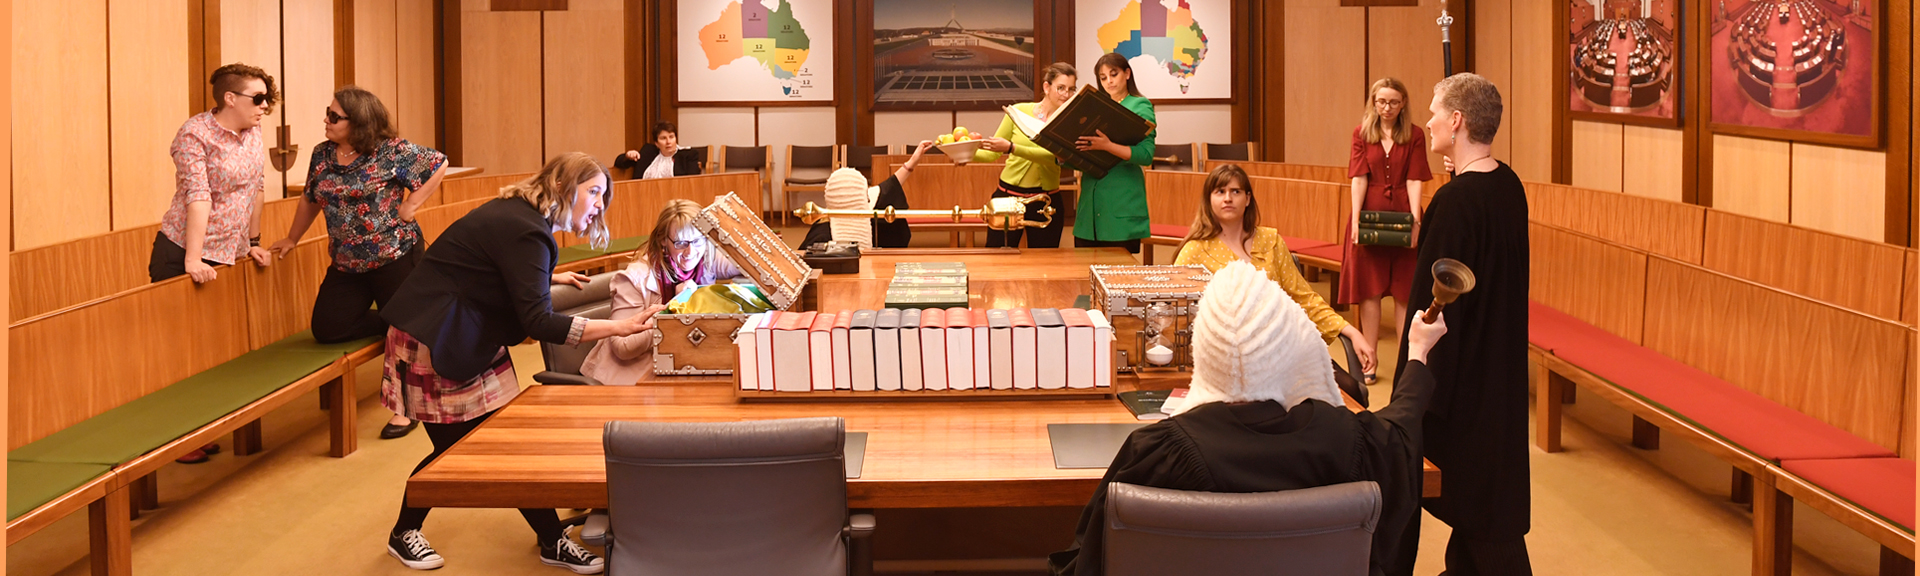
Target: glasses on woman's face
(334, 117)
(1385, 103)
(691, 243)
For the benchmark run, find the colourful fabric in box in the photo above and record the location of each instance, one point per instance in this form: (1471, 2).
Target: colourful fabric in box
(1751, 421)
(1883, 486)
(1167, 231)
(119, 435)
(33, 484)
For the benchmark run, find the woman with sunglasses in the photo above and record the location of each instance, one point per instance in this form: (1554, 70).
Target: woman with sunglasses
(219, 181)
(677, 258)
(369, 182)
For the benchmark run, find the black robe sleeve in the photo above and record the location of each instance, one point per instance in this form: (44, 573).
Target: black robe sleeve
(894, 234)
(1391, 437)
(1159, 455)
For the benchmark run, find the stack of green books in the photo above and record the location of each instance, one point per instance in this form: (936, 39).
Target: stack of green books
(1386, 228)
(925, 285)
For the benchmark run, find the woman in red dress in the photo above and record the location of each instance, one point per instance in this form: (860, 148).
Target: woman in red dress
(1388, 166)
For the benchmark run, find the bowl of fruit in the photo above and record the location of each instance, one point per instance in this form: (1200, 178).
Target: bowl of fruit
(960, 144)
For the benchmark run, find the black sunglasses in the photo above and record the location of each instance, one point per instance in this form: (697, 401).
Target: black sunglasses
(260, 99)
(335, 118)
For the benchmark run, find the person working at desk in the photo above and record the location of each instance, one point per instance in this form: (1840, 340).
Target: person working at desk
(1263, 415)
(676, 259)
(486, 284)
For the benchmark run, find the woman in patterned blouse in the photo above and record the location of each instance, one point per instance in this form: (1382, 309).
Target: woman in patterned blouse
(1228, 228)
(369, 183)
(219, 181)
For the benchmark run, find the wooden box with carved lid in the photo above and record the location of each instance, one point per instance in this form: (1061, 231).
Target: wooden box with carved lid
(702, 344)
(1145, 302)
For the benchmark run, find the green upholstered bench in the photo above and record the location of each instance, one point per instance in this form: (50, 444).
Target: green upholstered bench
(95, 461)
(581, 257)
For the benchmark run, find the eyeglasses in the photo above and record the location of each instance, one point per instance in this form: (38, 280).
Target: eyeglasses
(335, 118)
(261, 99)
(1389, 103)
(685, 244)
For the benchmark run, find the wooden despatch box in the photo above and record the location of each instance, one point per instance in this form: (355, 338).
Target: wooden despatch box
(702, 344)
(1125, 293)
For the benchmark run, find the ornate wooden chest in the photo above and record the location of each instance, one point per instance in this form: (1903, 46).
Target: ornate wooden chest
(1143, 302)
(702, 344)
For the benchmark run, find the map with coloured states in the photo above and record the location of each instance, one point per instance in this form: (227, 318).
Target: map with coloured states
(1171, 37)
(774, 39)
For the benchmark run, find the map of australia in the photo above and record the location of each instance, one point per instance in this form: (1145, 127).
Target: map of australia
(1170, 37)
(772, 38)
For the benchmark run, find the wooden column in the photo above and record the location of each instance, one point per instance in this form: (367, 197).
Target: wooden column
(1772, 530)
(110, 533)
(1547, 388)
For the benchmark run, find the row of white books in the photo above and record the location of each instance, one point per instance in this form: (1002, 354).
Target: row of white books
(933, 349)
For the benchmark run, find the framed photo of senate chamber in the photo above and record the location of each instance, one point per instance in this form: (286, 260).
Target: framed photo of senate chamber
(1800, 70)
(739, 52)
(971, 55)
(1623, 61)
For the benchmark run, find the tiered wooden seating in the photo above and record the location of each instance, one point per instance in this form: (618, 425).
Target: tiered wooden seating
(1849, 272)
(1669, 229)
(61, 275)
(1335, 174)
(1756, 376)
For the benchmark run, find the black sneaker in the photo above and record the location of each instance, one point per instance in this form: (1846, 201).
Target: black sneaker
(411, 549)
(566, 554)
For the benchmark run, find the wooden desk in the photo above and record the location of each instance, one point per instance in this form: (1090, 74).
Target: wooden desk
(544, 449)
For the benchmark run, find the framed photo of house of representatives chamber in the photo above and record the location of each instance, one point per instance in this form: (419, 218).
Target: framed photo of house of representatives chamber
(1623, 61)
(1800, 70)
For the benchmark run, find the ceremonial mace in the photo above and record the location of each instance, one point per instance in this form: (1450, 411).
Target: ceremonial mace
(1451, 278)
(1446, 36)
(1006, 213)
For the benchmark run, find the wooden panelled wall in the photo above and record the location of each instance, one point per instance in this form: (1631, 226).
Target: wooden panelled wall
(536, 84)
(103, 86)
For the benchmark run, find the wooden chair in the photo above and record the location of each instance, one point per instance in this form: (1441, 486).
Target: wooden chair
(750, 159)
(807, 170)
(861, 157)
(1176, 157)
(1242, 151)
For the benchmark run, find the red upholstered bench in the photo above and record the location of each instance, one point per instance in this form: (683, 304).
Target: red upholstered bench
(1871, 495)
(1160, 235)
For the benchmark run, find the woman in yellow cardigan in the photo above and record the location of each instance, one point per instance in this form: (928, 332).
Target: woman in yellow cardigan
(1031, 170)
(1228, 228)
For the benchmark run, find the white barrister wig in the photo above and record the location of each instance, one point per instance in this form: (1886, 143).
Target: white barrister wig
(847, 190)
(1251, 342)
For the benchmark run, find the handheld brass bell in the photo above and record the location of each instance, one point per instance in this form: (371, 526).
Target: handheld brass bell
(1451, 278)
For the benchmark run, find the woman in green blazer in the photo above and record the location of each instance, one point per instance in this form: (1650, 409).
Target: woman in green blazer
(1113, 208)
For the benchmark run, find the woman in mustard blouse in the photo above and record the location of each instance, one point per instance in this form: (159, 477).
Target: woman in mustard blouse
(1228, 228)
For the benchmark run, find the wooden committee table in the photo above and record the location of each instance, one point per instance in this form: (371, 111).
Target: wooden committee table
(544, 449)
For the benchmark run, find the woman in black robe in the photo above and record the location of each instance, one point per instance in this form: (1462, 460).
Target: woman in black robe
(1264, 415)
(1476, 430)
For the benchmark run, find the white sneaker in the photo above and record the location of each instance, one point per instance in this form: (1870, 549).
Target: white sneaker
(411, 548)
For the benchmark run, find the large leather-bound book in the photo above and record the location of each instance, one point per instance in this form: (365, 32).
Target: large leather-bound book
(982, 360)
(763, 349)
(1024, 374)
(842, 352)
(1050, 349)
(1079, 358)
(746, 348)
(933, 348)
(886, 349)
(1102, 349)
(820, 351)
(1088, 111)
(792, 361)
(959, 349)
(860, 350)
(910, 377)
(1000, 348)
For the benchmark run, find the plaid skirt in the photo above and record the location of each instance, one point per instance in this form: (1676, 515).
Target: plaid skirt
(411, 388)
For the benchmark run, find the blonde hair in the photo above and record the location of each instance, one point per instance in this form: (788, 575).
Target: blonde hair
(1206, 226)
(1477, 101)
(551, 191)
(1370, 128)
(679, 214)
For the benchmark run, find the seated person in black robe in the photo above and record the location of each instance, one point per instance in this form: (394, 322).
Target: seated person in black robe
(663, 157)
(1264, 415)
(848, 190)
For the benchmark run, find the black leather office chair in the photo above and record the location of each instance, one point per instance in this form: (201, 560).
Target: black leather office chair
(1324, 531)
(747, 498)
(594, 302)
